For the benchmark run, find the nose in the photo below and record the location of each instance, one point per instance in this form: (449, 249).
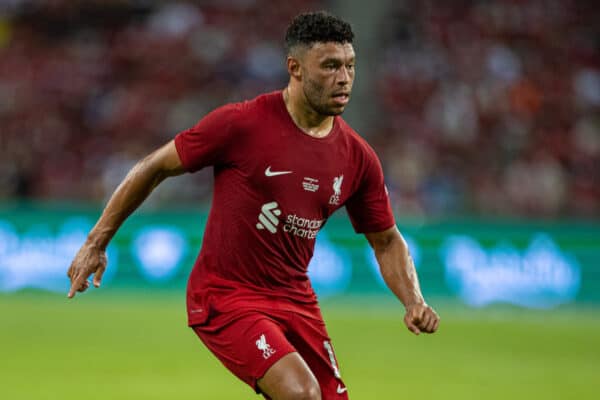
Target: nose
(343, 76)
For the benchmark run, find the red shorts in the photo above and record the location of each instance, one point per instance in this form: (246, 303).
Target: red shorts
(249, 344)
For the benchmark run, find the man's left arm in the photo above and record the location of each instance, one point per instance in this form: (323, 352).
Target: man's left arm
(398, 271)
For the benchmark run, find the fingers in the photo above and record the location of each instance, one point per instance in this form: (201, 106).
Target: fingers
(409, 321)
(98, 275)
(78, 285)
(425, 321)
(428, 324)
(75, 285)
(429, 327)
(421, 318)
(88, 261)
(84, 287)
(433, 321)
(421, 313)
(79, 282)
(413, 328)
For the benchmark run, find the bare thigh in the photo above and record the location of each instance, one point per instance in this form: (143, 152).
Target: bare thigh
(290, 378)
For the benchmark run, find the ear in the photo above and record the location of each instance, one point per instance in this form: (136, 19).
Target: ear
(294, 68)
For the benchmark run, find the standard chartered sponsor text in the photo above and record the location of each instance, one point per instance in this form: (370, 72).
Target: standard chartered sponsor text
(302, 227)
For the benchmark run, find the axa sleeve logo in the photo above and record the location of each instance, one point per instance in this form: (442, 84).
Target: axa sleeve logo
(267, 219)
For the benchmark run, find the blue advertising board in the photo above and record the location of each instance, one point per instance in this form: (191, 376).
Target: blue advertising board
(525, 263)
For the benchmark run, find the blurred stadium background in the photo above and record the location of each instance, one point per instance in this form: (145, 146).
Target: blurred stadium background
(486, 115)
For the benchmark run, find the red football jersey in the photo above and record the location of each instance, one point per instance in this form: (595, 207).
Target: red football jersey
(275, 186)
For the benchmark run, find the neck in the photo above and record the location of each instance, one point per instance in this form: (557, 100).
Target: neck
(304, 115)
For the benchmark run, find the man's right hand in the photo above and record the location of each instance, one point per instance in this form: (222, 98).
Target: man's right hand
(137, 185)
(89, 260)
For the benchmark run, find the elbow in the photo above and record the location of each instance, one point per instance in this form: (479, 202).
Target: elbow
(391, 240)
(149, 169)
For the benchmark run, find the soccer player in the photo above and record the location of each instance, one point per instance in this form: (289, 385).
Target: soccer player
(283, 163)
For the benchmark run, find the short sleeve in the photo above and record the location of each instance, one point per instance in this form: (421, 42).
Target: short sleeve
(369, 207)
(209, 142)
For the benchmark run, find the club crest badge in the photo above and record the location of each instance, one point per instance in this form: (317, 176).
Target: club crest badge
(262, 345)
(337, 190)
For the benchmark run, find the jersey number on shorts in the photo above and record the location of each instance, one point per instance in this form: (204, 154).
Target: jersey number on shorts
(334, 366)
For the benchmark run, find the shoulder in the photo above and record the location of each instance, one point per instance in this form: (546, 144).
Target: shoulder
(237, 116)
(249, 114)
(266, 102)
(262, 102)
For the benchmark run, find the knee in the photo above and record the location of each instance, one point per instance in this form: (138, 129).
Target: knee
(307, 391)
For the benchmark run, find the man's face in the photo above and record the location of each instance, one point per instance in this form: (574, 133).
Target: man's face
(327, 76)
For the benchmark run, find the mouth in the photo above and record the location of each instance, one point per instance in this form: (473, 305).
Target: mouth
(341, 98)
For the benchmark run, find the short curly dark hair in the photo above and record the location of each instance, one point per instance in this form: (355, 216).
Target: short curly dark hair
(313, 27)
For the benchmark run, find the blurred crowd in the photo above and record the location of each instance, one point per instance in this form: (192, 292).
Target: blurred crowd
(89, 87)
(489, 107)
(492, 107)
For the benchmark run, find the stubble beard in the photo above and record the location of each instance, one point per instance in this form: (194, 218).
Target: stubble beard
(314, 95)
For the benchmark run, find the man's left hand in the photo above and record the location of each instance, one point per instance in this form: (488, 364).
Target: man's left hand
(421, 318)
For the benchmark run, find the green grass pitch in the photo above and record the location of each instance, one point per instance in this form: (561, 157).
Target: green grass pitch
(116, 345)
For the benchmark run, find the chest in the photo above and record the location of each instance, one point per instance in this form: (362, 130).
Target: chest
(305, 177)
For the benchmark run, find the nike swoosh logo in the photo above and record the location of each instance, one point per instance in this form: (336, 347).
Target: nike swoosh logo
(341, 389)
(268, 172)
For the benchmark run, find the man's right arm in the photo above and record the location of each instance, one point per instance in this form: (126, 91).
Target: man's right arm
(133, 190)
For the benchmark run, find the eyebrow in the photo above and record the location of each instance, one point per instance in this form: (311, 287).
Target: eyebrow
(337, 60)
